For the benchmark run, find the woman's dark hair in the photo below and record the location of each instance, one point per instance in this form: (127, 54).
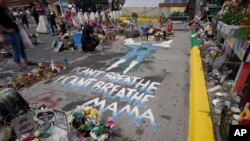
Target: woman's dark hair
(161, 17)
(31, 4)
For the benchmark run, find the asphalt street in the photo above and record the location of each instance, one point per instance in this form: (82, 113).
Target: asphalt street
(162, 116)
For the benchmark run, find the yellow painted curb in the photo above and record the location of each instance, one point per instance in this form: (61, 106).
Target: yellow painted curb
(200, 124)
(140, 19)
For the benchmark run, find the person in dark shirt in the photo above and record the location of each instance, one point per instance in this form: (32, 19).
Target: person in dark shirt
(11, 32)
(34, 12)
(62, 26)
(52, 22)
(89, 41)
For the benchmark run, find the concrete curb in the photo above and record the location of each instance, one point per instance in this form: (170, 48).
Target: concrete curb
(200, 123)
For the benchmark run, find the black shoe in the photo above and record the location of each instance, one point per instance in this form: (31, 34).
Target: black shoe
(31, 64)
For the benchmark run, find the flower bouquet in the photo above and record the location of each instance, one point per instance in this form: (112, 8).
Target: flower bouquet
(101, 38)
(87, 122)
(214, 52)
(66, 43)
(158, 35)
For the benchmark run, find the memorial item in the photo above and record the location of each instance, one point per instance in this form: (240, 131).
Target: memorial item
(39, 73)
(14, 108)
(61, 119)
(23, 124)
(87, 121)
(46, 116)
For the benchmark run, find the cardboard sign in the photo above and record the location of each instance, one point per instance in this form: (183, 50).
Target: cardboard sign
(61, 119)
(58, 46)
(23, 124)
(45, 116)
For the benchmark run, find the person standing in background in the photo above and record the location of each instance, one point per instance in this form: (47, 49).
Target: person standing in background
(27, 12)
(23, 34)
(80, 17)
(42, 9)
(134, 18)
(24, 19)
(52, 22)
(62, 27)
(67, 16)
(11, 32)
(73, 16)
(34, 12)
(16, 16)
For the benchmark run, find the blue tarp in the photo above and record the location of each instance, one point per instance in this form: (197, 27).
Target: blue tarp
(77, 39)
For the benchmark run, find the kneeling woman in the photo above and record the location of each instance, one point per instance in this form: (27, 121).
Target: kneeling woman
(89, 41)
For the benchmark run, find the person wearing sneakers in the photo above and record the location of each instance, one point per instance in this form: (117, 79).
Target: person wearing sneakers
(11, 32)
(89, 40)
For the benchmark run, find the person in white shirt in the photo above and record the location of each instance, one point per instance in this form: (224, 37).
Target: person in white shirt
(17, 17)
(73, 16)
(80, 17)
(28, 13)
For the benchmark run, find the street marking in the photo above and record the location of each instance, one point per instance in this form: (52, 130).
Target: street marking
(78, 59)
(139, 51)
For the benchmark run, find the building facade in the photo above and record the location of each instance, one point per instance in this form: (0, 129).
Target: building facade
(94, 5)
(17, 3)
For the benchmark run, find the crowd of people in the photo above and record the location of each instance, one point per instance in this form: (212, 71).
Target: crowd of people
(18, 19)
(89, 23)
